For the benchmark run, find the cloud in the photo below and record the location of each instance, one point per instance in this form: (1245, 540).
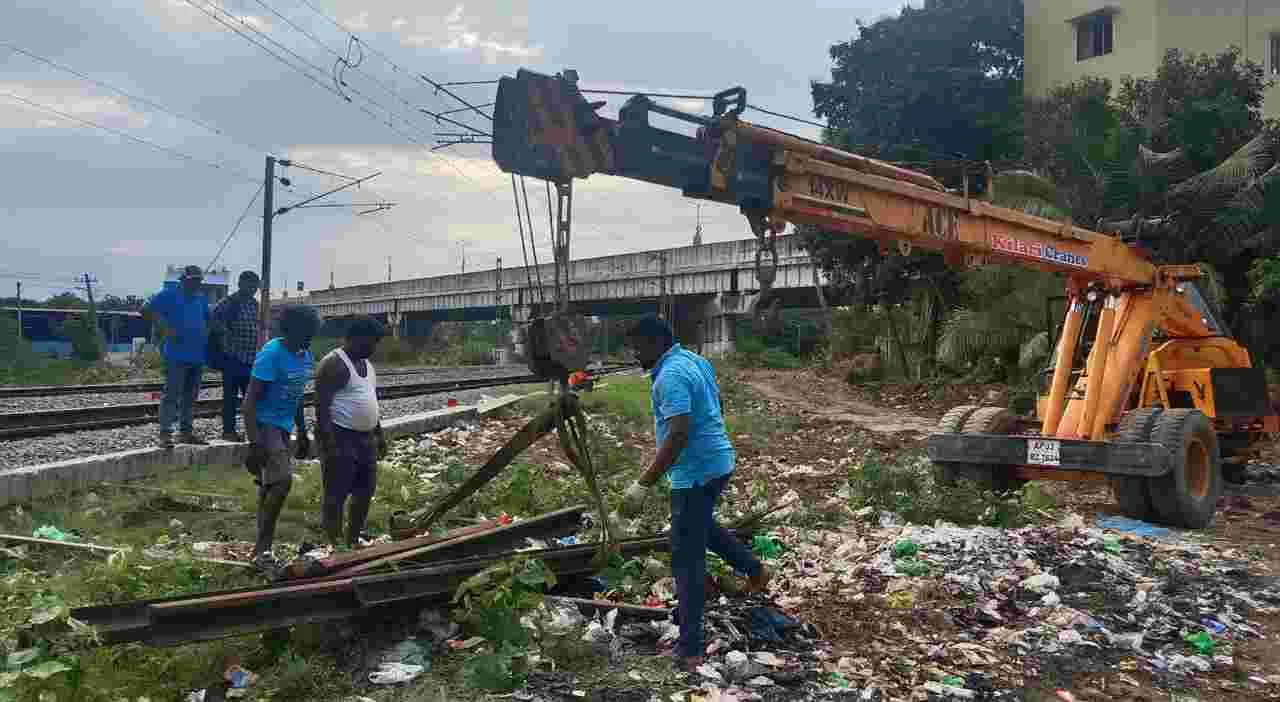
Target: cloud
(439, 209)
(494, 33)
(65, 96)
(182, 16)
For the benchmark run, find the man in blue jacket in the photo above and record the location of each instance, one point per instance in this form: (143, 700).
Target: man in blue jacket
(181, 316)
(694, 450)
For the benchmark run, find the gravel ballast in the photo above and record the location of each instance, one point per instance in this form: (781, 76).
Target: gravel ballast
(39, 404)
(59, 447)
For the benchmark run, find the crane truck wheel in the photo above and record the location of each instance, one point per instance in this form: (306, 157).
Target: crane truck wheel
(1133, 495)
(994, 420)
(951, 423)
(1187, 496)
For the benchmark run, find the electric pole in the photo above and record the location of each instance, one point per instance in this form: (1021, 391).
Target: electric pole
(19, 310)
(268, 211)
(388, 269)
(93, 310)
(331, 279)
(697, 230)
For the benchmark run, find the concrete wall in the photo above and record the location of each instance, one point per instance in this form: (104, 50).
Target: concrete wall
(1050, 43)
(1143, 31)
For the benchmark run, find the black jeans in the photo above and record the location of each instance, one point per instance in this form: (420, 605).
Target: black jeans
(693, 531)
(235, 380)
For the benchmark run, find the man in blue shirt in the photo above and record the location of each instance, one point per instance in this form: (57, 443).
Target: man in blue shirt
(272, 408)
(694, 448)
(181, 316)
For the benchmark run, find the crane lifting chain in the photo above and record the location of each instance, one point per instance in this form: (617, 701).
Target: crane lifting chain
(765, 311)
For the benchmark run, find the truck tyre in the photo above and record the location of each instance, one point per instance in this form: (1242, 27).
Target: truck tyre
(1187, 496)
(994, 420)
(951, 423)
(1133, 495)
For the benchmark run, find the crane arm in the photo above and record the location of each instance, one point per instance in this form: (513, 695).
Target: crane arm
(544, 127)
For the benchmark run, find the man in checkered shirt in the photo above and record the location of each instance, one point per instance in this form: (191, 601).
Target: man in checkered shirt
(235, 320)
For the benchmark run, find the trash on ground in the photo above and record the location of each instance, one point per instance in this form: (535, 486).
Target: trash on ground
(1132, 526)
(53, 533)
(395, 673)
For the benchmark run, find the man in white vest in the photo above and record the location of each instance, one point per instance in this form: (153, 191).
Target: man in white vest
(349, 430)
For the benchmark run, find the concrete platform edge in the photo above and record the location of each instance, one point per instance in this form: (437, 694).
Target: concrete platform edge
(23, 484)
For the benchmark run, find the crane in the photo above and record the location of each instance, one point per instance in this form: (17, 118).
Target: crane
(1145, 388)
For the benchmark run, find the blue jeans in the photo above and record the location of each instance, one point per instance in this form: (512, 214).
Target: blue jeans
(693, 531)
(235, 380)
(181, 386)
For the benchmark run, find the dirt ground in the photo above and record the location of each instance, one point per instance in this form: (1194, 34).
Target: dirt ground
(898, 417)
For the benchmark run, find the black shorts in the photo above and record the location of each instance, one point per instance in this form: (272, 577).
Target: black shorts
(350, 471)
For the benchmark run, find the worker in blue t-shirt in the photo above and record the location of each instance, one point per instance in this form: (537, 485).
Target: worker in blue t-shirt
(272, 408)
(694, 450)
(181, 316)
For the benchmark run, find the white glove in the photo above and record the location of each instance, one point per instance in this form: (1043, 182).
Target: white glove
(633, 499)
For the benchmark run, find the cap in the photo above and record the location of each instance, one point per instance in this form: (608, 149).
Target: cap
(192, 272)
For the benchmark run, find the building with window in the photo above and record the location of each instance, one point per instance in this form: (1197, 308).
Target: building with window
(1069, 39)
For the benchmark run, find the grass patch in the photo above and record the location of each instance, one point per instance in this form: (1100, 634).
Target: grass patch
(909, 489)
(164, 513)
(54, 371)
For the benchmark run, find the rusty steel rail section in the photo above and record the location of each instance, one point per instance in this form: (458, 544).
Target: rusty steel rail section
(177, 620)
(141, 386)
(19, 425)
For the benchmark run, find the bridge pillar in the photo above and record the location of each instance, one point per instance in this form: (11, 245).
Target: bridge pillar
(718, 320)
(520, 315)
(394, 320)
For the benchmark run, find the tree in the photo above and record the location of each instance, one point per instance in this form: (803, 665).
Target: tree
(65, 301)
(86, 338)
(941, 80)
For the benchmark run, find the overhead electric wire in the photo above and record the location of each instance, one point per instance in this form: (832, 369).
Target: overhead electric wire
(236, 227)
(159, 147)
(672, 96)
(786, 116)
(409, 137)
(294, 164)
(345, 60)
(440, 88)
(136, 98)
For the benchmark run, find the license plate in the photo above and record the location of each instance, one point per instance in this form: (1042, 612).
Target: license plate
(1044, 452)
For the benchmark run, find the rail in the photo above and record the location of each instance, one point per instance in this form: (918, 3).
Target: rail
(18, 391)
(21, 425)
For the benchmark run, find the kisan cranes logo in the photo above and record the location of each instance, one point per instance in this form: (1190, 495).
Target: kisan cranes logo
(1034, 249)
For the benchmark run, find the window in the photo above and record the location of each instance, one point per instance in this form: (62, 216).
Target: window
(1093, 36)
(1275, 54)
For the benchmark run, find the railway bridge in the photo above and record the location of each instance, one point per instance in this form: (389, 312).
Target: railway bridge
(702, 289)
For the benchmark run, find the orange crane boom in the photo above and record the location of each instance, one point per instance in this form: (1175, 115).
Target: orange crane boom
(1142, 362)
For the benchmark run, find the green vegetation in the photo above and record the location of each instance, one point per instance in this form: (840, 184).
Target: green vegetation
(906, 486)
(1186, 151)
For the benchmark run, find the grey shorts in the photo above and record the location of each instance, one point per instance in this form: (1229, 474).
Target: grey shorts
(279, 455)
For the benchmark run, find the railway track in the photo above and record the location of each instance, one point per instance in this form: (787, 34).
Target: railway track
(19, 391)
(22, 425)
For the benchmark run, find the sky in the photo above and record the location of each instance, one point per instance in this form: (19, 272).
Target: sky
(180, 160)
